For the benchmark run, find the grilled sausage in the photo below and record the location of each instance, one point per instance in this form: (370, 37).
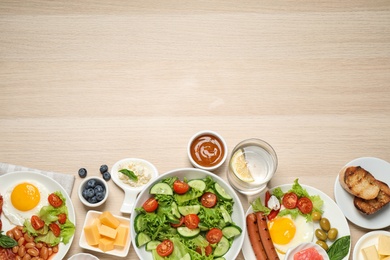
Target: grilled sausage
(266, 237)
(254, 237)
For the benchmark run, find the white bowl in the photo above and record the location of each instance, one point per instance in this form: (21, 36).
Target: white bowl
(238, 215)
(220, 143)
(83, 256)
(84, 183)
(292, 251)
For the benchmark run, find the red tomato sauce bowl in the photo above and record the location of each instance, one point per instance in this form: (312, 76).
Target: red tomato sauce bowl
(304, 250)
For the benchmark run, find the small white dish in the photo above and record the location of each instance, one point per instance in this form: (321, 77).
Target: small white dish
(117, 251)
(292, 251)
(380, 170)
(84, 183)
(83, 256)
(369, 239)
(131, 192)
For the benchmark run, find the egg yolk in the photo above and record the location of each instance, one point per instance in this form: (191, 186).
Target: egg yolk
(25, 196)
(282, 230)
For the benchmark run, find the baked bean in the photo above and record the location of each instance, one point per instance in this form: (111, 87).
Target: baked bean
(28, 238)
(17, 233)
(21, 241)
(35, 258)
(10, 233)
(26, 257)
(55, 249)
(18, 258)
(39, 245)
(33, 251)
(20, 228)
(15, 249)
(44, 253)
(50, 251)
(29, 245)
(21, 251)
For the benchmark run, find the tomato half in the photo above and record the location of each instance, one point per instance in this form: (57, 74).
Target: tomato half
(214, 235)
(208, 200)
(36, 222)
(180, 187)
(191, 221)
(150, 205)
(55, 229)
(305, 205)
(165, 248)
(290, 200)
(54, 200)
(207, 250)
(179, 224)
(267, 197)
(62, 218)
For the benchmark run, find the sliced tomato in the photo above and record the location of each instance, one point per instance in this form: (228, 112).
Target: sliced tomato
(191, 221)
(273, 214)
(54, 200)
(214, 235)
(305, 205)
(36, 222)
(290, 200)
(179, 224)
(208, 200)
(207, 250)
(62, 218)
(180, 187)
(55, 229)
(267, 197)
(150, 205)
(165, 248)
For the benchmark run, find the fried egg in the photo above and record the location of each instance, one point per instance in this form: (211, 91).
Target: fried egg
(287, 232)
(24, 200)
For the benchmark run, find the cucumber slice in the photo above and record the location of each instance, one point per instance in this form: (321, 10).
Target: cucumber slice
(141, 239)
(220, 258)
(161, 188)
(152, 245)
(222, 247)
(186, 257)
(175, 210)
(203, 227)
(231, 231)
(192, 209)
(139, 224)
(188, 233)
(226, 216)
(221, 192)
(197, 184)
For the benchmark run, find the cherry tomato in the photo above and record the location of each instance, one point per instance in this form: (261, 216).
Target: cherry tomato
(180, 187)
(290, 200)
(165, 248)
(54, 200)
(36, 222)
(150, 205)
(207, 250)
(179, 224)
(191, 221)
(208, 200)
(214, 235)
(305, 205)
(62, 218)
(267, 197)
(273, 214)
(55, 229)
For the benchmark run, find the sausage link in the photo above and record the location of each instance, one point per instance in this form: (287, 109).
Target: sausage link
(254, 237)
(266, 237)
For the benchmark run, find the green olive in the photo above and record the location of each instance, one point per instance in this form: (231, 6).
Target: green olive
(322, 244)
(332, 234)
(325, 224)
(320, 234)
(316, 216)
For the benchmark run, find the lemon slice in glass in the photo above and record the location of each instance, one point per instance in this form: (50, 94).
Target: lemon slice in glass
(240, 166)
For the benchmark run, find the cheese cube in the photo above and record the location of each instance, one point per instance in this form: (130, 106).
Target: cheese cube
(92, 234)
(121, 237)
(108, 219)
(384, 245)
(106, 244)
(107, 231)
(370, 253)
(385, 257)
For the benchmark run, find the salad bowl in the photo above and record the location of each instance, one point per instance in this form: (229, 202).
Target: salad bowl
(238, 215)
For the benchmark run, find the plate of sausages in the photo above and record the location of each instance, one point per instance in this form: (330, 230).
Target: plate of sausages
(258, 225)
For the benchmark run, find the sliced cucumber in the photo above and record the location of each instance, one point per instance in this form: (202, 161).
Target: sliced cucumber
(139, 224)
(161, 188)
(172, 219)
(188, 233)
(175, 210)
(197, 184)
(226, 216)
(231, 231)
(141, 239)
(152, 245)
(222, 247)
(221, 192)
(220, 258)
(203, 227)
(186, 257)
(192, 209)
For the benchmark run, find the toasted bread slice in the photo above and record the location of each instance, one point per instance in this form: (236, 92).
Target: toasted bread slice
(359, 182)
(369, 207)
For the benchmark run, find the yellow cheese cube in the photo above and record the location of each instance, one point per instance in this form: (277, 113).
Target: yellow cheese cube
(384, 245)
(107, 231)
(121, 237)
(108, 219)
(370, 253)
(106, 244)
(92, 234)
(385, 257)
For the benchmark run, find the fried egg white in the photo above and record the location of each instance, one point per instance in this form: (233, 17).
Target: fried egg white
(24, 200)
(287, 232)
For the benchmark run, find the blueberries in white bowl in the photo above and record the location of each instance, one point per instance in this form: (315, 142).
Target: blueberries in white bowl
(93, 191)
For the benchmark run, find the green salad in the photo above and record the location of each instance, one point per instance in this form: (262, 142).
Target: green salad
(186, 219)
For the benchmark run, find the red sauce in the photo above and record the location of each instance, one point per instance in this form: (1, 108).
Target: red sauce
(308, 253)
(207, 150)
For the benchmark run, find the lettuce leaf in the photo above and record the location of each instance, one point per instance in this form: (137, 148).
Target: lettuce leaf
(257, 206)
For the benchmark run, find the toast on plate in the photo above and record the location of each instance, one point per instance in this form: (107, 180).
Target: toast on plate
(369, 207)
(359, 182)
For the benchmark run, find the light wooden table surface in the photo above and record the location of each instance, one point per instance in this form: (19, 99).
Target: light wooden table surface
(85, 83)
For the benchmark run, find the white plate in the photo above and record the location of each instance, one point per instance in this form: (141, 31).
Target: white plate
(192, 173)
(331, 212)
(380, 169)
(91, 216)
(368, 239)
(13, 178)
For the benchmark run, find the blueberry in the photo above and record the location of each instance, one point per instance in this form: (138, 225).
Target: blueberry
(82, 172)
(100, 196)
(90, 192)
(107, 176)
(98, 188)
(92, 200)
(103, 168)
(91, 183)
(85, 193)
